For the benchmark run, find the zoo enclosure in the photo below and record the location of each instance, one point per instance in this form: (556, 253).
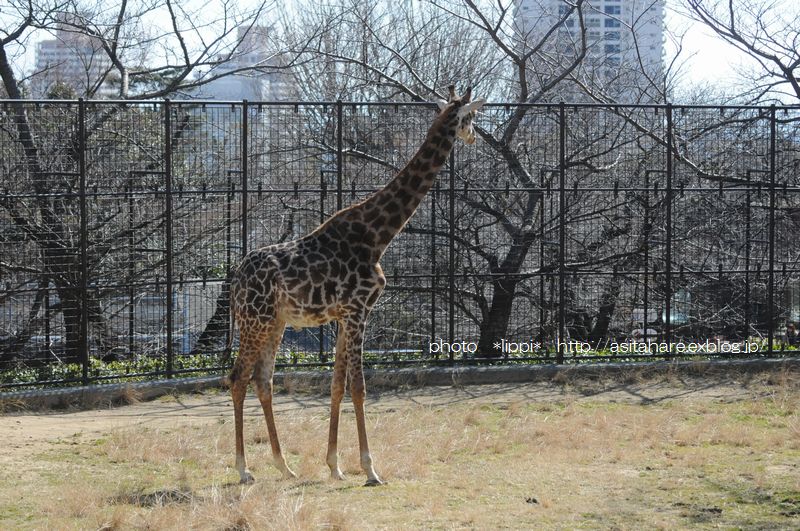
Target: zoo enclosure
(564, 225)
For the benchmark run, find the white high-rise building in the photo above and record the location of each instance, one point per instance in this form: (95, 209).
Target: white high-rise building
(72, 59)
(624, 39)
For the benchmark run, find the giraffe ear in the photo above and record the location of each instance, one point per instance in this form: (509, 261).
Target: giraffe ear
(442, 104)
(472, 106)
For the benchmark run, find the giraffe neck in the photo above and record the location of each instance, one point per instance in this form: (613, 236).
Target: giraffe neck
(386, 212)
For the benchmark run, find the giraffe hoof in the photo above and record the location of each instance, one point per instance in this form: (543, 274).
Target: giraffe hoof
(337, 476)
(246, 478)
(289, 475)
(374, 482)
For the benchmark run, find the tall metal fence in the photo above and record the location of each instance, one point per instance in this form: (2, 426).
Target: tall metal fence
(565, 232)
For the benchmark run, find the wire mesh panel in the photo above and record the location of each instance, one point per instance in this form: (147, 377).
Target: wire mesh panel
(501, 228)
(786, 163)
(291, 166)
(722, 237)
(206, 207)
(126, 207)
(614, 197)
(42, 279)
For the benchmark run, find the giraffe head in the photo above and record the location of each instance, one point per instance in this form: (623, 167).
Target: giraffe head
(463, 109)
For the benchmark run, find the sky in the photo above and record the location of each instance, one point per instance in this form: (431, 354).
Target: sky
(709, 60)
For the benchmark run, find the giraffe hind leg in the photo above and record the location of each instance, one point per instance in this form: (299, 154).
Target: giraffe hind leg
(262, 375)
(252, 307)
(239, 380)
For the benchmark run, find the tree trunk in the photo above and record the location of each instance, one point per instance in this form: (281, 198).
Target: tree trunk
(577, 318)
(608, 303)
(495, 325)
(73, 340)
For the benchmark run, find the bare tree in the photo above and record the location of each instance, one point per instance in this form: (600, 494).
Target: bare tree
(768, 32)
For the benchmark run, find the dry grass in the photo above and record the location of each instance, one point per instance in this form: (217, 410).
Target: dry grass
(525, 464)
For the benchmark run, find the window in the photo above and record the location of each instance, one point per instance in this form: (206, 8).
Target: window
(613, 10)
(611, 23)
(592, 22)
(612, 35)
(612, 48)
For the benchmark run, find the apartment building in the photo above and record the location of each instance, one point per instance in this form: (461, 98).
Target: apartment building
(73, 59)
(624, 38)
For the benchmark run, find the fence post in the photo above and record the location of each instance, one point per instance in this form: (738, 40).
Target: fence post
(645, 295)
(339, 198)
(771, 289)
(542, 329)
(168, 229)
(84, 328)
(244, 168)
(434, 276)
(323, 358)
(747, 261)
(131, 265)
(339, 155)
(451, 256)
(562, 235)
(747, 229)
(668, 257)
(229, 197)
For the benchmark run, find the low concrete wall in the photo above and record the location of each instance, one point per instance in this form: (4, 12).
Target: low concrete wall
(381, 379)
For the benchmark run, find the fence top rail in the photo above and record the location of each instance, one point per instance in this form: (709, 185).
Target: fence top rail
(497, 104)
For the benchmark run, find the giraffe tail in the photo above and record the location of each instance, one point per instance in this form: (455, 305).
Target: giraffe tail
(227, 381)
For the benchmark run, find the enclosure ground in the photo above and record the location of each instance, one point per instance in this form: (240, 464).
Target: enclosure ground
(662, 451)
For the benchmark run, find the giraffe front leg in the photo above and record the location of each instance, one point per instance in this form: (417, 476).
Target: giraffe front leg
(358, 393)
(337, 393)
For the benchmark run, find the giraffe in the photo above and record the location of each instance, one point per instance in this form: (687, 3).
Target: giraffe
(332, 274)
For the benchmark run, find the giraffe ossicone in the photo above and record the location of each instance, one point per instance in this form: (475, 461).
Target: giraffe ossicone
(332, 274)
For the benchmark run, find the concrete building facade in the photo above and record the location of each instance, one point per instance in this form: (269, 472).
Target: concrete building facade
(624, 38)
(72, 59)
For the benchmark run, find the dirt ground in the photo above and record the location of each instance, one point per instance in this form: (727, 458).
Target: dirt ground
(30, 433)
(682, 436)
